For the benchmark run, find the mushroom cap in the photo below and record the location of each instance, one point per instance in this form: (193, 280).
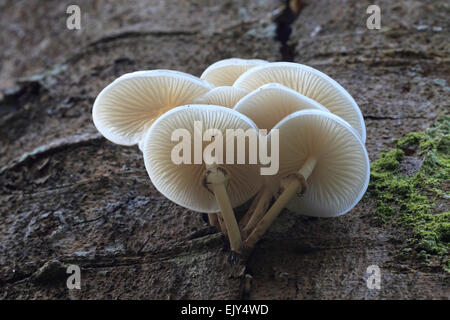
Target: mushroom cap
(269, 104)
(225, 72)
(226, 96)
(183, 183)
(311, 83)
(126, 108)
(341, 174)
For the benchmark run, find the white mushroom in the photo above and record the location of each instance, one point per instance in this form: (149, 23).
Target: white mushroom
(225, 72)
(311, 83)
(272, 102)
(126, 108)
(267, 106)
(225, 96)
(194, 183)
(324, 168)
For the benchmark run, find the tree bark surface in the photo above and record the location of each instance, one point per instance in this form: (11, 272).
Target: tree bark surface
(68, 196)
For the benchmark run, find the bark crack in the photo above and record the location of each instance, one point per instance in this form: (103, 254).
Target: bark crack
(52, 148)
(284, 21)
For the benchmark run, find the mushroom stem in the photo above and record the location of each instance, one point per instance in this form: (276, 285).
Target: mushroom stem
(244, 220)
(213, 220)
(295, 185)
(260, 210)
(216, 179)
(222, 224)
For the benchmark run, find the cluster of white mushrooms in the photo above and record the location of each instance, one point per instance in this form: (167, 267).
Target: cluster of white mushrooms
(323, 163)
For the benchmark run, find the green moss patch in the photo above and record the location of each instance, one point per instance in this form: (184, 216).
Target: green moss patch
(417, 200)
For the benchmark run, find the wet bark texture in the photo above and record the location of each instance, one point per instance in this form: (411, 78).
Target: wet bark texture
(68, 196)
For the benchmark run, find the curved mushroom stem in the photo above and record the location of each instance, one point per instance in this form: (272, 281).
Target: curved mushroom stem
(222, 224)
(260, 210)
(216, 179)
(244, 220)
(295, 185)
(213, 220)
